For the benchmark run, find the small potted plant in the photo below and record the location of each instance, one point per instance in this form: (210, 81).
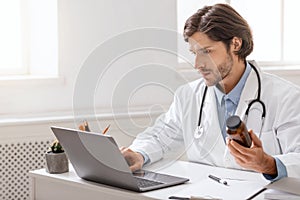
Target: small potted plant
(56, 159)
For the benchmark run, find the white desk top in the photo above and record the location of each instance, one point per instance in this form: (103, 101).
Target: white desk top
(242, 184)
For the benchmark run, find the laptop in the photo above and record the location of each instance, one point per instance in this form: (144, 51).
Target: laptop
(96, 157)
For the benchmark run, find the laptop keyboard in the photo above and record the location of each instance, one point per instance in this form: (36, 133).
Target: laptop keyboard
(144, 183)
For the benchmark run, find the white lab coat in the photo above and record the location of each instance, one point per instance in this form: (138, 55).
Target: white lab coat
(280, 132)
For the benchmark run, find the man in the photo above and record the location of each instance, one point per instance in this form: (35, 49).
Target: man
(221, 40)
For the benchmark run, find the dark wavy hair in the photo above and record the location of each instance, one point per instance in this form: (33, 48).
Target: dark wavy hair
(221, 22)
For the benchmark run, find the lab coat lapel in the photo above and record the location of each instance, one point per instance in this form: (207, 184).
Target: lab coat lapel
(212, 143)
(249, 92)
(211, 114)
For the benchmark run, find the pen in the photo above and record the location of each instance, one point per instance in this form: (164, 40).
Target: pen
(179, 198)
(193, 198)
(218, 179)
(105, 130)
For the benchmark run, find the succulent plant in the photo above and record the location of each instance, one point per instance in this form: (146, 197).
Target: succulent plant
(56, 147)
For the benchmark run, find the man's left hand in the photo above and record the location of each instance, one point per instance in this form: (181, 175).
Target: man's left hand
(253, 158)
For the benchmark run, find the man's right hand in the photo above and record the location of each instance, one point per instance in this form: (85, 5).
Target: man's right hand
(135, 160)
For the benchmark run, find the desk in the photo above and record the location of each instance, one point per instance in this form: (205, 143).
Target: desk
(68, 185)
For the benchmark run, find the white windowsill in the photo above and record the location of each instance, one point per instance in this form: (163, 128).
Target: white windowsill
(67, 117)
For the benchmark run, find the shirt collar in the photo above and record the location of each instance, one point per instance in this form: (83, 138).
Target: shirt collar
(235, 93)
(219, 95)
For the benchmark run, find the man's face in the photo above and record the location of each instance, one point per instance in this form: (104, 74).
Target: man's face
(212, 60)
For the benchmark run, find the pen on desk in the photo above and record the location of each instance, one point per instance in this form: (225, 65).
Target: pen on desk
(193, 198)
(179, 198)
(105, 130)
(218, 179)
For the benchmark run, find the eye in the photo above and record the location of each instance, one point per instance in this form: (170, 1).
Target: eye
(203, 51)
(206, 51)
(192, 52)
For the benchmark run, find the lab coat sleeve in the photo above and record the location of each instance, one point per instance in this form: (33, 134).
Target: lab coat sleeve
(164, 136)
(288, 132)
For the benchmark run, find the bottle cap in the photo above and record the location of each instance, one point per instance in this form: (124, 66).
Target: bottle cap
(233, 122)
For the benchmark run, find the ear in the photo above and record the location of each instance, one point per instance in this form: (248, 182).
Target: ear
(236, 44)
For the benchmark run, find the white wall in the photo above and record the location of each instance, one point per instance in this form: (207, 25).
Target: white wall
(83, 26)
(28, 107)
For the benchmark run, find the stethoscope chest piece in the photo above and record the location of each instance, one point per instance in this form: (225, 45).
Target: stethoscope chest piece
(198, 132)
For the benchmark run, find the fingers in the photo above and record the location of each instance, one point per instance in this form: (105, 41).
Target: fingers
(135, 167)
(255, 140)
(249, 158)
(244, 150)
(237, 147)
(237, 151)
(134, 160)
(240, 162)
(122, 148)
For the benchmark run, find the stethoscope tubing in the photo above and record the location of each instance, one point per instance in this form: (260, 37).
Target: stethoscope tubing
(202, 105)
(256, 100)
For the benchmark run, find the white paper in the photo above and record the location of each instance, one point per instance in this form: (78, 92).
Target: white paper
(236, 189)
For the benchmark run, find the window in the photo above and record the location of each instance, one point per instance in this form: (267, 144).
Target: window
(29, 37)
(273, 22)
(10, 39)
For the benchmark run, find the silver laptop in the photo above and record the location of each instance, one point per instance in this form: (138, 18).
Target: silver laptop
(97, 158)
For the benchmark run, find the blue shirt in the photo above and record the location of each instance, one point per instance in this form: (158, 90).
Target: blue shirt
(227, 105)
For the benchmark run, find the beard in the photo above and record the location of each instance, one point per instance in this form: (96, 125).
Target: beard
(218, 73)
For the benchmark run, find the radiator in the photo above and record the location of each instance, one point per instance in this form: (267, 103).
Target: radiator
(16, 160)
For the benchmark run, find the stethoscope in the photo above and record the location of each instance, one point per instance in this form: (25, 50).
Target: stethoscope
(200, 129)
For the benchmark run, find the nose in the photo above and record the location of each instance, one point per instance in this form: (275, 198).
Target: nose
(198, 66)
(199, 62)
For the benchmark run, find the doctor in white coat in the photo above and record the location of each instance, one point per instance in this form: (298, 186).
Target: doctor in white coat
(221, 40)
